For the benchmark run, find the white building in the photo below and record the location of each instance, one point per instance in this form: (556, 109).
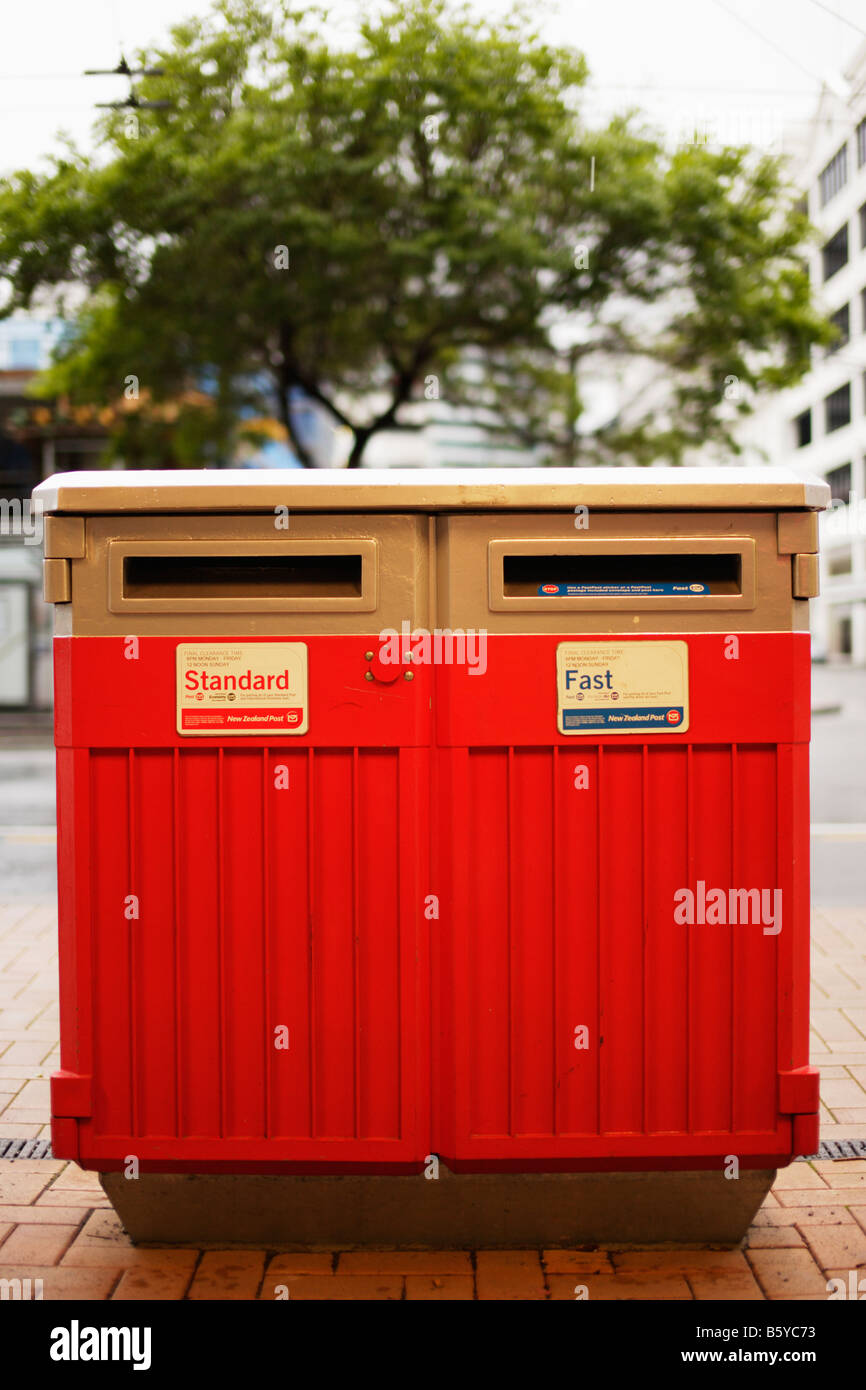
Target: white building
(819, 426)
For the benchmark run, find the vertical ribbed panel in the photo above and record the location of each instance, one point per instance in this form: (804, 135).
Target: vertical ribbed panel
(152, 939)
(711, 1082)
(666, 980)
(379, 961)
(112, 939)
(576, 1083)
(258, 908)
(532, 997)
(756, 984)
(619, 1033)
(261, 908)
(487, 914)
(570, 921)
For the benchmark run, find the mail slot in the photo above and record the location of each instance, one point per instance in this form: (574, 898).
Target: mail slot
(224, 577)
(641, 572)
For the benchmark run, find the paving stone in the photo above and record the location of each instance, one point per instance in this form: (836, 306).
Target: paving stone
(442, 1287)
(36, 1092)
(229, 1274)
(833, 1168)
(774, 1237)
(60, 1284)
(343, 1288)
(787, 1273)
(679, 1261)
(41, 1216)
(797, 1176)
(837, 1245)
(846, 1176)
(829, 1197)
(288, 1263)
(577, 1262)
(509, 1274)
(36, 1244)
(21, 1188)
(727, 1285)
(28, 1054)
(801, 1217)
(405, 1262)
(64, 1196)
(42, 1167)
(637, 1285)
(145, 1282)
(836, 1093)
(75, 1179)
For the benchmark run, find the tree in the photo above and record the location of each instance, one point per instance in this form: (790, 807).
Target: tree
(356, 221)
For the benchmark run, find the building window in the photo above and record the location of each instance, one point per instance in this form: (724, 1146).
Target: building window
(861, 143)
(24, 352)
(803, 429)
(839, 480)
(802, 205)
(834, 176)
(837, 408)
(834, 253)
(839, 562)
(863, 227)
(841, 321)
(844, 635)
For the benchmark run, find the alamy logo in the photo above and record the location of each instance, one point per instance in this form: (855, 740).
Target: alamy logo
(737, 907)
(23, 519)
(855, 1290)
(77, 1343)
(444, 646)
(20, 1290)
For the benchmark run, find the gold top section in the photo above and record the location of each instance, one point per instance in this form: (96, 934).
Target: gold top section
(431, 490)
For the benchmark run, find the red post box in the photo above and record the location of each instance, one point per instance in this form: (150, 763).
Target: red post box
(409, 818)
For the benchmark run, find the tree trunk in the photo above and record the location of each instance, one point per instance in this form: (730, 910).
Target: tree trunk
(572, 411)
(362, 437)
(305, 458)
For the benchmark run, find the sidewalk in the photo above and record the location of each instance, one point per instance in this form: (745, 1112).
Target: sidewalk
(56, 1225)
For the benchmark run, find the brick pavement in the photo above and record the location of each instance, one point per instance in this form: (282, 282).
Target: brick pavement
(56, 1225)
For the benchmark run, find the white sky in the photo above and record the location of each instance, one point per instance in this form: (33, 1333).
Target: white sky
(691, 64)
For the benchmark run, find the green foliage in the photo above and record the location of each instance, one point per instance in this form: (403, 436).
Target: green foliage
(430, 182)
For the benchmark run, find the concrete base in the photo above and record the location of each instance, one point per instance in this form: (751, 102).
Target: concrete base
(455, 1211)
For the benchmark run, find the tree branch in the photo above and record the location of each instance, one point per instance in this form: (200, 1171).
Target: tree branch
(283, 388)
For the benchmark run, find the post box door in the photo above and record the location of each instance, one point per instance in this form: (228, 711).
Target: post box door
(243, 969)
(586, 1018)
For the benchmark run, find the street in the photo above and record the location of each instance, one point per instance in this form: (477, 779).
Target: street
(27, 821)
(838, 760)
